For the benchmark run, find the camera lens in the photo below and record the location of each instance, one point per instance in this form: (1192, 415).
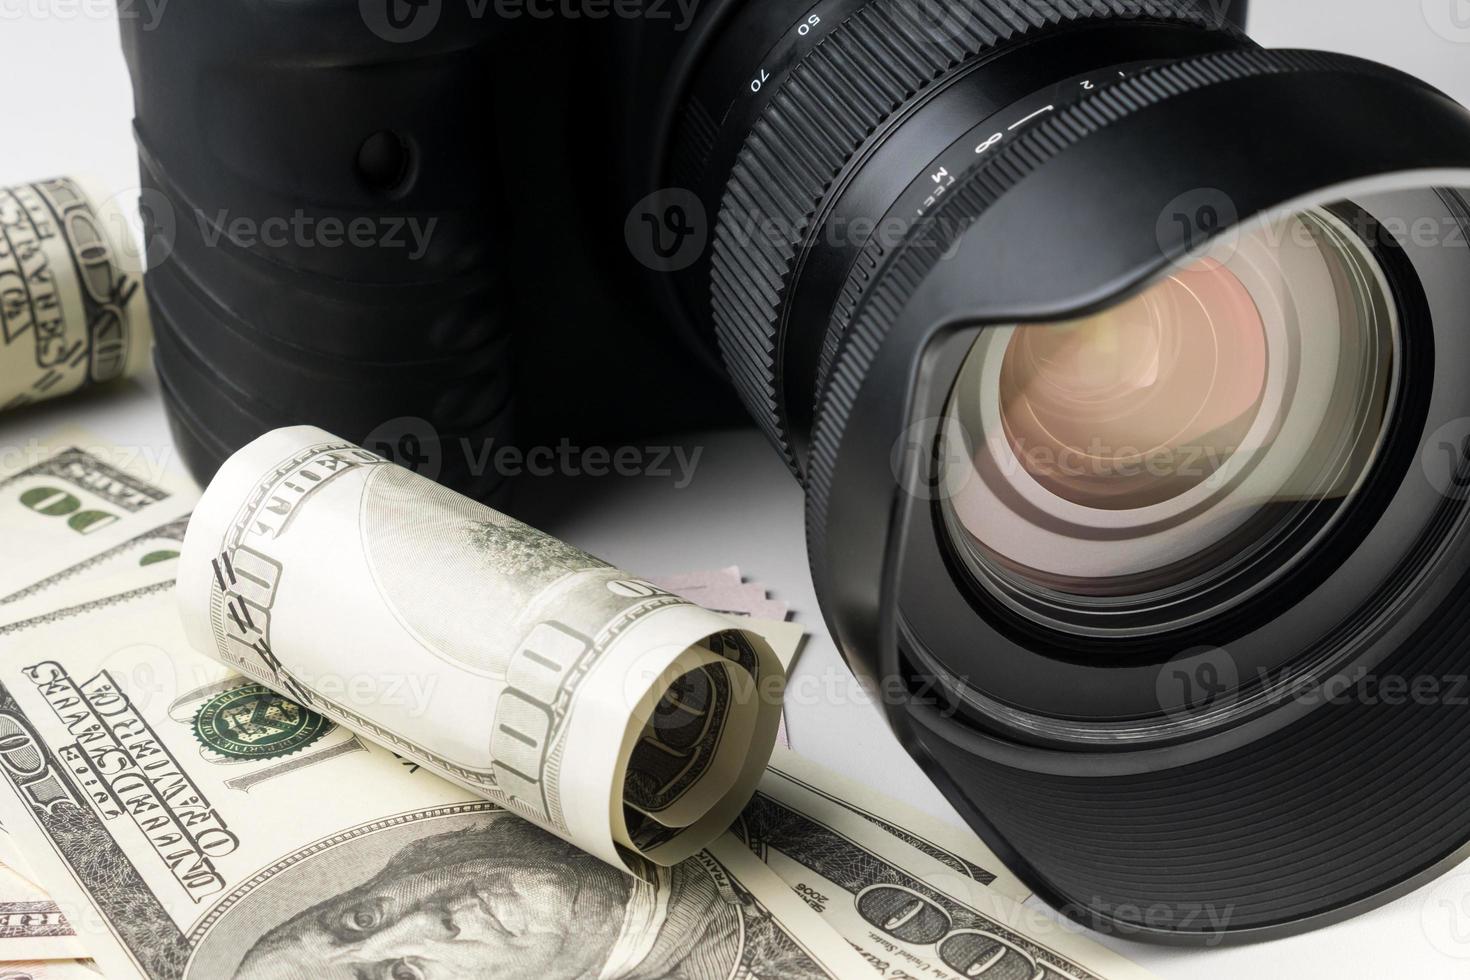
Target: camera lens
(1181, 441)
(1179, 369)
(1120, 362)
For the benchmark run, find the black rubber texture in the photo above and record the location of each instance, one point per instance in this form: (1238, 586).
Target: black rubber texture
(265, 135)
(850, 84)
(1211, 844)
(975, 191)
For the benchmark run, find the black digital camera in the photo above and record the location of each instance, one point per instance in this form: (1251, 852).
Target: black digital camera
(1119, 357)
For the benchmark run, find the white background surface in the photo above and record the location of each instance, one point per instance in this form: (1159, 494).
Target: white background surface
(68, 109)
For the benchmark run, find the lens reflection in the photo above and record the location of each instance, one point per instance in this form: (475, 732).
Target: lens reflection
(1183, 448)
(1110, 411)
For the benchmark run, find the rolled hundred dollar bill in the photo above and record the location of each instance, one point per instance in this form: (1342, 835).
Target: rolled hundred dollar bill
(72, 312)
(612, 713)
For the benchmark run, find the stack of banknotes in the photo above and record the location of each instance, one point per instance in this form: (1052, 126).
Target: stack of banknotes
(330, 720)
(170, 811)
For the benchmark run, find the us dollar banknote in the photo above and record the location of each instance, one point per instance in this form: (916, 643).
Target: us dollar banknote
(32, 926)
(48, 970)
(78, 519)
(838, 800)
(148, 558)
(71, 504)
(200, 826)
(913, 903)
(72, 312)
(612, 713)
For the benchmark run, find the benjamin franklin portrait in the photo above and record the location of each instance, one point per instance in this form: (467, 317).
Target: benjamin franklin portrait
(497, 898)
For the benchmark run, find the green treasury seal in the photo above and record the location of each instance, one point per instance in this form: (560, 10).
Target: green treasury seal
(254, 722)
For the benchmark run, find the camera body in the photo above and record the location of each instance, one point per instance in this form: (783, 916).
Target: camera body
(525, 142)
(336, 198)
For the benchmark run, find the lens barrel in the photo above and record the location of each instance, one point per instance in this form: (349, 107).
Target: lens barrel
(1208, 706)
(818, 167)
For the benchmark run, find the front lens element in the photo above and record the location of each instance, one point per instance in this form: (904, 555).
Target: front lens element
(1106, 411)
(1172, 454)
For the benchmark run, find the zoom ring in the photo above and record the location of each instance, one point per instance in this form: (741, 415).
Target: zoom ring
(850, 84)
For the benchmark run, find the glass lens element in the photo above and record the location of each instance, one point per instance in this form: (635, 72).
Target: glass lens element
(1111, 411)
(1166, 457)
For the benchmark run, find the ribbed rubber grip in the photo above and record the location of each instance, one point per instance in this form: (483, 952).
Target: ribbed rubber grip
(845, 89)
(327, 236)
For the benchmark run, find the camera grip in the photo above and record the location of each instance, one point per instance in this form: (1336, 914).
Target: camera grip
(321, 210)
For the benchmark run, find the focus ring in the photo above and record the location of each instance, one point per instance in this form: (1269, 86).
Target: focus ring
(900, 275)
(830, 103)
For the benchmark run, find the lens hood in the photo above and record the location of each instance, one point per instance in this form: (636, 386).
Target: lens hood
(1302, 791)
